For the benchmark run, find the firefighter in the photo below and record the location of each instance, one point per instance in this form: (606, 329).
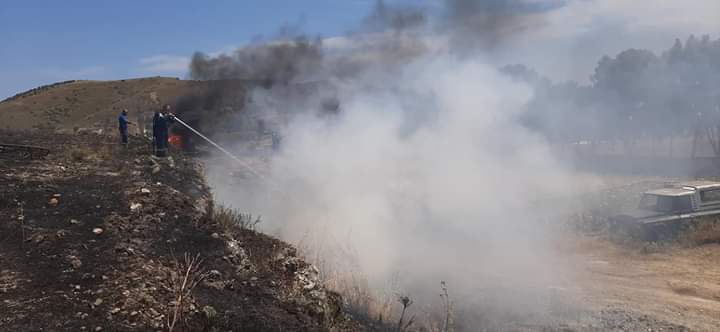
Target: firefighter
(155, 131)
(161, 122)
(276, 140)
(123, 123)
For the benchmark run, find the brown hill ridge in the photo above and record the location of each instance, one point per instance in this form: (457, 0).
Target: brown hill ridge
(70, 104)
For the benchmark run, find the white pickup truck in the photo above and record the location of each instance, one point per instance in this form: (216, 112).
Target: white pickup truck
(662, 213)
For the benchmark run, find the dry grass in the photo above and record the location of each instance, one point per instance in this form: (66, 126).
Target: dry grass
(665, 238)
(702, 231)
(91, 103)
(91, 154)
(341, 272)
(230, 219)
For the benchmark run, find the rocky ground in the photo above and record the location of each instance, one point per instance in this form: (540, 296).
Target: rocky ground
(95, 237)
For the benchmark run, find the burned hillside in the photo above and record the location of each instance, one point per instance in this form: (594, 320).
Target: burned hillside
(95, 237)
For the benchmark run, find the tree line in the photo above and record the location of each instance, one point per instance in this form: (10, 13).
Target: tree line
(636, 94)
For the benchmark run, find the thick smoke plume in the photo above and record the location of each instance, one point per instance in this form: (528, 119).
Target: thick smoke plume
(389, 36)
(424, 175)
(435, 165)
(273, 62)
(432, 181)
(473, 25)
(395, 18)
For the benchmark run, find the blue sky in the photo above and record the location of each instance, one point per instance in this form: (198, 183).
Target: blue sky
(49, 41)
(44, 41)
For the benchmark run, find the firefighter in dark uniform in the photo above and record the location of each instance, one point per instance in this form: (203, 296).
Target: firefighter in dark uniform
(161, 123)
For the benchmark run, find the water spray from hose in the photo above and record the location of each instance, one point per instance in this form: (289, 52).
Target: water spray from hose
(223, 150)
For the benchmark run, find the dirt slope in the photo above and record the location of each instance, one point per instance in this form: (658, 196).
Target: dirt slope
(93, 238)
(89, 103)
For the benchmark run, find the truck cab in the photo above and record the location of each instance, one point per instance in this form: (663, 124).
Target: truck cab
(706, 194)
(662, 212)
(669, 200)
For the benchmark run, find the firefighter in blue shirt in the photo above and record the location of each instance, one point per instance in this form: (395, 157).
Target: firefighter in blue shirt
(123, 127)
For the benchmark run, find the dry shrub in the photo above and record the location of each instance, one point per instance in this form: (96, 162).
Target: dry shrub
(650, 248)
(626, 235)
(80, 154)
(638, 243)
(403, 325)
(701, 232)
(229, 219)
(340, 271)
(186, 275)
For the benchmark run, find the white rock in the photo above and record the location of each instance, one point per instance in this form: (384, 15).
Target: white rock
(74, 261)
(135, 206)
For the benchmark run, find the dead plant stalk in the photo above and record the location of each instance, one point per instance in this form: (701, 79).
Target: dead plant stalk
(21, 218)
(406, 303)
(192, 275)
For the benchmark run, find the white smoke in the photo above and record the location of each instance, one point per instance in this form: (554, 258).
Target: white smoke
(425, 174)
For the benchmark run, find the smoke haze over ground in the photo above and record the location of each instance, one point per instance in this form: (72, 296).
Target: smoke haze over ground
(434, 169)
(450, 196)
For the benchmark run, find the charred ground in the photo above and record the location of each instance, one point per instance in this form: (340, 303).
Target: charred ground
(93, 237)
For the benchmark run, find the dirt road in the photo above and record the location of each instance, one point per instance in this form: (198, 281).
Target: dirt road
(680, 286)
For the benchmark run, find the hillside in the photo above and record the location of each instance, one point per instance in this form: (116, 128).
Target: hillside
(70, 104)
(98, 238)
